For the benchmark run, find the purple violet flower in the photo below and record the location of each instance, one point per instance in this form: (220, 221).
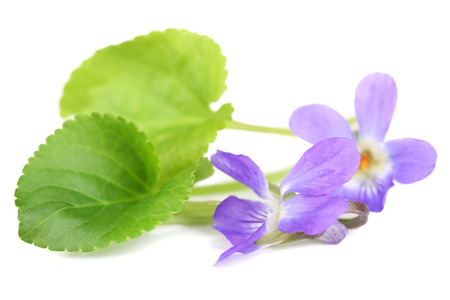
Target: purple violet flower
(311, 209)
(404, 160)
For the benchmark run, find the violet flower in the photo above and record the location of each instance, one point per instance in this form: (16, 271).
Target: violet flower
(311, 209)
(403, 160)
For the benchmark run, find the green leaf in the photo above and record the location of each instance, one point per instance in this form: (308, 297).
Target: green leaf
(95, 181)
(164, 82)
(205, 169)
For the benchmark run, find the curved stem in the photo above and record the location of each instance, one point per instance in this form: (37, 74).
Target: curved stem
(279, 237)
(361, 210)
(255, 128)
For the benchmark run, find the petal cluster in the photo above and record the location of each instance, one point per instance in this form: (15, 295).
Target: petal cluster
(402, 160)
(303, 203)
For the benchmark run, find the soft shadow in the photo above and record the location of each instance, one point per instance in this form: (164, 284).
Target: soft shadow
(306, 243)
(297, 244)
(146, 240)
(238, 259)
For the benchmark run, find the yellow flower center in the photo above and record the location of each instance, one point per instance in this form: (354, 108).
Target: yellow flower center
(374, 160)
(365, 162)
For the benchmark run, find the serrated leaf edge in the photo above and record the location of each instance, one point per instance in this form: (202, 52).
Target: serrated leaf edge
(143, 137)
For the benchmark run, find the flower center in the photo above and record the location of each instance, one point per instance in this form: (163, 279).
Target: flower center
(374, 160)
(365, 161)
(273, 218)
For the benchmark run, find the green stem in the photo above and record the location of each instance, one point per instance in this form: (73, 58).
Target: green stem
(234, 186)
(248, 127)
(217, 188)
(201, 212)
(195, 213)
(353, 122)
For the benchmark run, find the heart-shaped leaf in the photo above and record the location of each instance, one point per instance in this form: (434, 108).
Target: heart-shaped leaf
(95, 181)
(164, 82)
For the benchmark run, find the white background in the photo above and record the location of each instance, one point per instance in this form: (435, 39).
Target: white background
(280, 55)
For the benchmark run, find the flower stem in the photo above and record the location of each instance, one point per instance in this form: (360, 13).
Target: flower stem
(202, 212)
(195, 213)
(353, 122)
(361, 210)
(217, 188)
(279, 237)
(255, 128)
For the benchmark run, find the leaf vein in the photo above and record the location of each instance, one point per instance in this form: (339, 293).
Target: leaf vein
(131, 173)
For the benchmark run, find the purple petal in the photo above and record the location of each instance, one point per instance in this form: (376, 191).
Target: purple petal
(371, 192)
(323, 168)
(239, 219)
(244, 170)
(311, 215)
(334, 234)
(316, 122)
(375, 99)
(412, 159)
(246, 246)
